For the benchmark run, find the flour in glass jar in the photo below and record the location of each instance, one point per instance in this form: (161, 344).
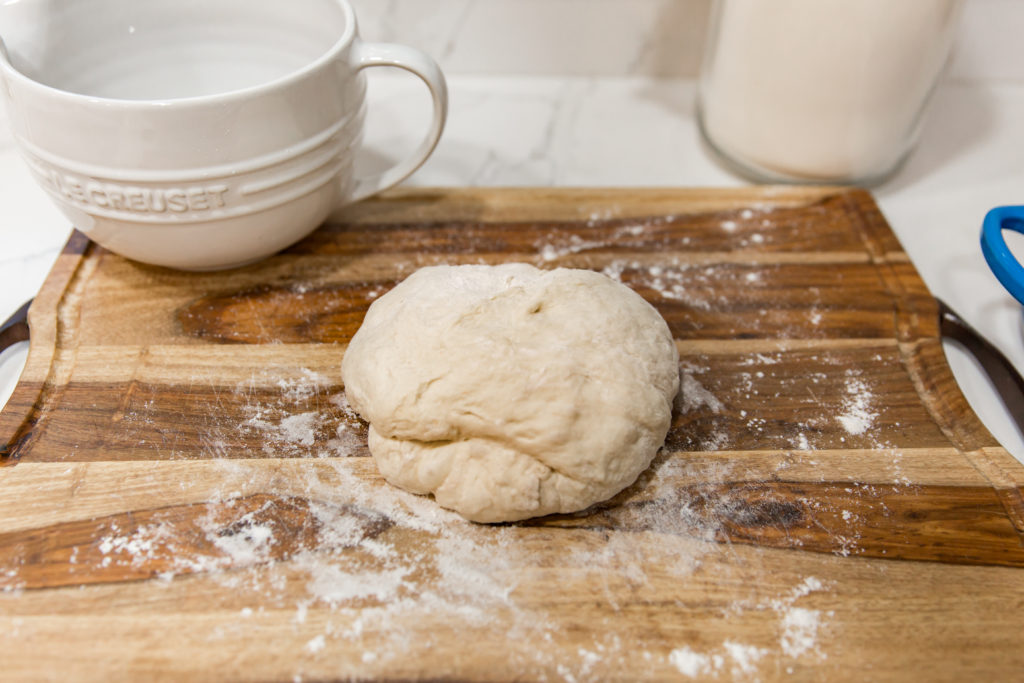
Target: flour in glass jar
(825, 90)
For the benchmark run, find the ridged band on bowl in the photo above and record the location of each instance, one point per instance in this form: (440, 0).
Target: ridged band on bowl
(198, 195)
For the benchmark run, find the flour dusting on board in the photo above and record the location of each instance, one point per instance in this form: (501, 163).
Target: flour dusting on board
(857, 416)
(363, 564)
(799, 634)
(285, 425)
(359, 565)
(692, 394)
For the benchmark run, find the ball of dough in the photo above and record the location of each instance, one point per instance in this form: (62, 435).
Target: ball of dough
(510, 392)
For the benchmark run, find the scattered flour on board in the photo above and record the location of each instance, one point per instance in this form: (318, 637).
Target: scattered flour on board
(699, 286)
(359, 560)
(249, 545)
(298, 429)
(799, 634)
(799, 624)
(744, 657)
(382, 562)
(741, 660)
(857, 416)
(315, 644)
(466, 573)
(692, 664)
(287, 427)
(559, 244)
(800, 630)
(692, 394)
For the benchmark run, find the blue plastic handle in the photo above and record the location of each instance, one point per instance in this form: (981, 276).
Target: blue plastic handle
(1006, 268)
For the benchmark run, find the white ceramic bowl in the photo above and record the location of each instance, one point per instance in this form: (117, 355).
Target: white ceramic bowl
(197, 135)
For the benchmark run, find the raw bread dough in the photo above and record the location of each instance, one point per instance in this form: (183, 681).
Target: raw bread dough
(511, 392)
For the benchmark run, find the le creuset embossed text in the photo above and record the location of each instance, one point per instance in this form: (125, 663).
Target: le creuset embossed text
(197, 135)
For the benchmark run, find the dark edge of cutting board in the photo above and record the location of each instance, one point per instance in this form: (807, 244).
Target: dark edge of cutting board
(20, 413)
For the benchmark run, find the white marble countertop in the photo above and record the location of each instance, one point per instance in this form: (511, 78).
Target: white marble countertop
(640, 131)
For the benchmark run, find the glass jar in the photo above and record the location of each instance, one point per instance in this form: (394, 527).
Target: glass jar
(821, 91)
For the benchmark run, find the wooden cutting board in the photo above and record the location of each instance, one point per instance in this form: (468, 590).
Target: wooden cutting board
(187, 495)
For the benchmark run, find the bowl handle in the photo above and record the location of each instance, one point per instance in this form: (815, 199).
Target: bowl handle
(412, 60)
(1002, 262)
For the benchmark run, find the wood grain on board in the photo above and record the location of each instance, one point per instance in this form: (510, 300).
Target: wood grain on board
(185, 492)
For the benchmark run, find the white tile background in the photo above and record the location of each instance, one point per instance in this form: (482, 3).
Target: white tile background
(626, 37)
